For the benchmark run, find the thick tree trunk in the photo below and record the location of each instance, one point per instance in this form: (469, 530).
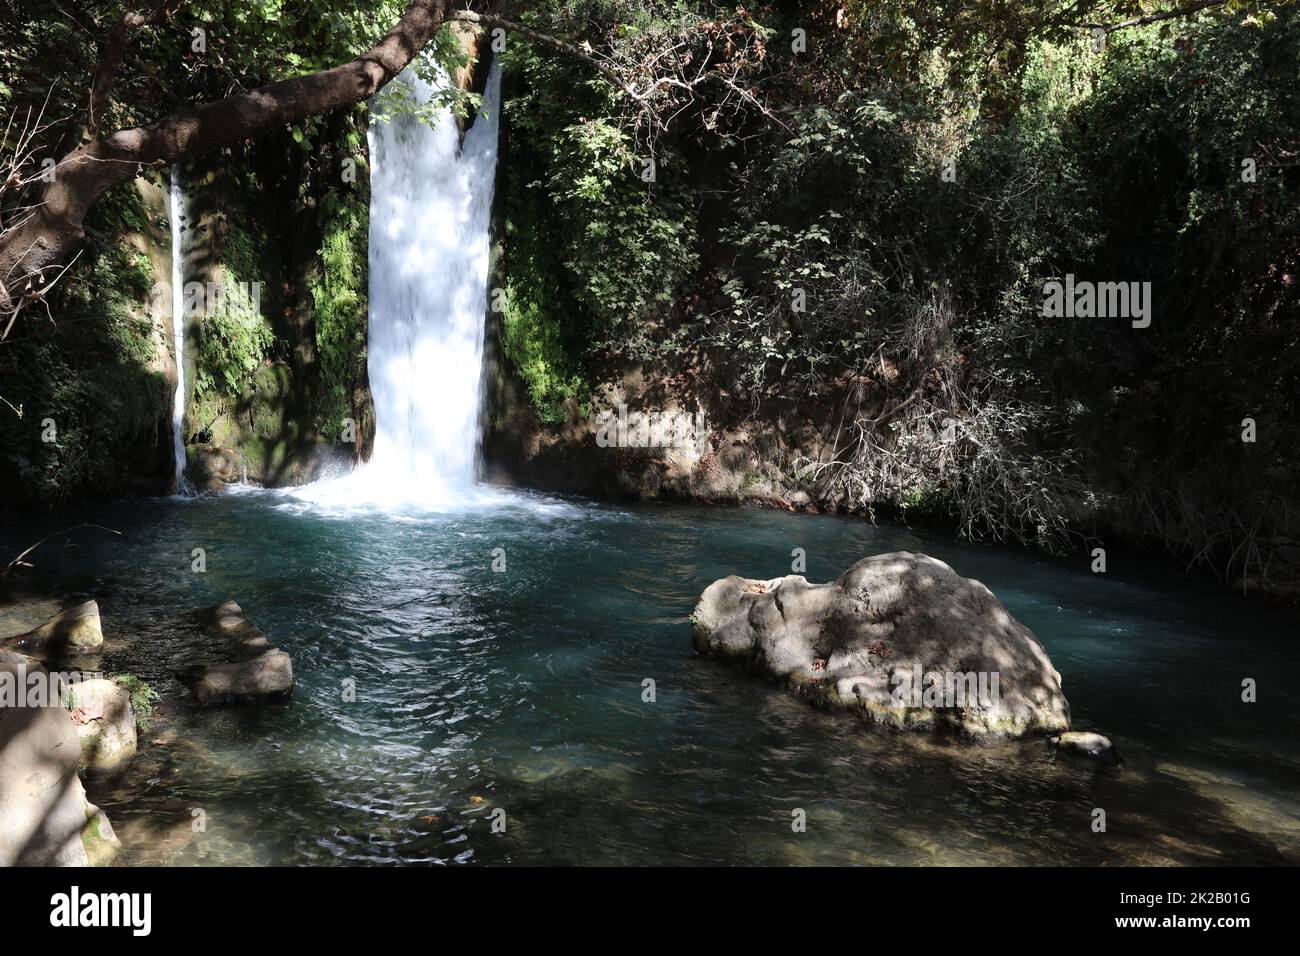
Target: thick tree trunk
(32, 253)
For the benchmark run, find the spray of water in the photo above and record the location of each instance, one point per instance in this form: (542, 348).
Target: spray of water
(430, 205)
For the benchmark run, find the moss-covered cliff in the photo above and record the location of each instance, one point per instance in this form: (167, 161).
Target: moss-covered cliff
(279, 393)
(274, 249)
(85, 391)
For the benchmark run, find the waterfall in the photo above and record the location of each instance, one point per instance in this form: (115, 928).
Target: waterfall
(176, 212)
(431, 200)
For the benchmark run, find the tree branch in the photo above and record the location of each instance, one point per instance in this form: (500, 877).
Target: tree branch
(110, 61)
(1186, 11)
(20, 562)
(562, 46)
(642, 82)
(37, 245)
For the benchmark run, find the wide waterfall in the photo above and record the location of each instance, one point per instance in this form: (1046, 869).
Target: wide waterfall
(431, 199)
(175, 213)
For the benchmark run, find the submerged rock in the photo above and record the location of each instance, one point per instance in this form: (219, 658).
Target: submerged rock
(74, 629)
(900, 638)
(225, 616)
(256, 673)
(227, 619)
(101, 711)
(1085, 743)
(45, 818)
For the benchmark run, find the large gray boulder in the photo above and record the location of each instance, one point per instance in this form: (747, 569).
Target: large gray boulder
(45, 818)
(900, 638)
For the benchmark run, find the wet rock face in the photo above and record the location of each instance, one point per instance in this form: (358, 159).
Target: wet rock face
(45, 818)
(255, 672)
(213, 468)
(899, 638)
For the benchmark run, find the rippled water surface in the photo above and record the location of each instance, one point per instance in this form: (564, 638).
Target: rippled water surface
(522, 691)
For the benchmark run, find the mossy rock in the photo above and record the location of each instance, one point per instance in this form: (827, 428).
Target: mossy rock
(101, 843)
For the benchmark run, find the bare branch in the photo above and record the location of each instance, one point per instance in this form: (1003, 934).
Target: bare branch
(1142, 21)
(20, 562)
(563, 46)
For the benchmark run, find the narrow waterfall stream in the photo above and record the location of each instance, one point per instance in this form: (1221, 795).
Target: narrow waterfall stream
(176, 213)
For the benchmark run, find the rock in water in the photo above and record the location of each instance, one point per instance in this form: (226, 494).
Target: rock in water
(45, 818)
(1087, 744)
(257, 673)
(266, 677)
(227, 619)
(105, 722)
(900, 638)
(74, 629)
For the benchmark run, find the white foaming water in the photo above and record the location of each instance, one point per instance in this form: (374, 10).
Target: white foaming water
(175, 212)
(430, 205)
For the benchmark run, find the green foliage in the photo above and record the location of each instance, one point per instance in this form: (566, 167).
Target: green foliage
(630, 247)
(241, 256)
(338, 292)
(143, 698)
(1120, 165)
(1162, 142)
(233, 341)
(926, 500)
(91, 372)
(605, 255)
(233, 337)
(541, 357)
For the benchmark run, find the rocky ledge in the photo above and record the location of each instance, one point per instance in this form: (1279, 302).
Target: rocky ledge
(900, 638)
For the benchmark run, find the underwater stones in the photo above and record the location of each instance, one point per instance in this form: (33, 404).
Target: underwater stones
(1085, 744)
(257, 673)
(899, 638)
(105, 722)
(227, 619)
(227, 614)
(45, 818)
(74, 629)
